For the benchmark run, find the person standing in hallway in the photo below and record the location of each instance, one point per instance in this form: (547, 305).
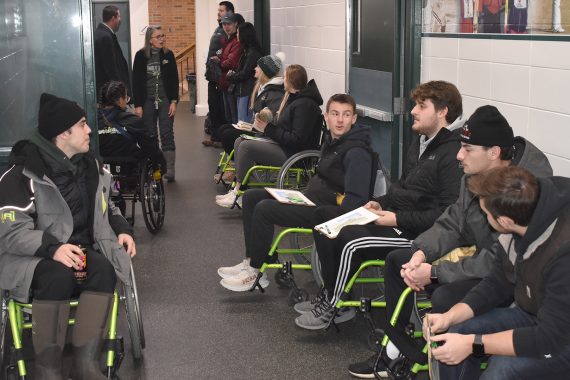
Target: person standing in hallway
(217, 43)
(110, 64)
(155, 92)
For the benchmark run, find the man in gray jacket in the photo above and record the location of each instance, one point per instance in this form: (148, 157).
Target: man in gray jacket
(57, 221)
(487, 142)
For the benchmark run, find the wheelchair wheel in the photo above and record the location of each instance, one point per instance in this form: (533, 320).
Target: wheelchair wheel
(316, 267)
(281, 280)
(297, 295)
(152, 198)
(134, 317)
(3, 335)
(298, 170)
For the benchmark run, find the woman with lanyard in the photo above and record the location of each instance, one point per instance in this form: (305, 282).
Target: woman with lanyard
(155, 92)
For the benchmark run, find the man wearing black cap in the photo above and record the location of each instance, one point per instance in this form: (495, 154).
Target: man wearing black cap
(57, 218)
(487, 142)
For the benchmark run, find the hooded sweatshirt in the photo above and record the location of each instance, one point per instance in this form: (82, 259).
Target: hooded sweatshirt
(345, 167)
(534, 268)
(298, 126)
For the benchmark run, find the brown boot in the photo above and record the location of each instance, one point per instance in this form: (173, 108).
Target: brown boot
(49, 326)
(90, 323)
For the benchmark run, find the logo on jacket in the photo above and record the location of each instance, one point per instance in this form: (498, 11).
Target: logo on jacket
(8, 216)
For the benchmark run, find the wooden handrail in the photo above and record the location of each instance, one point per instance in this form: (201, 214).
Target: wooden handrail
(188, 56)
(182, 53)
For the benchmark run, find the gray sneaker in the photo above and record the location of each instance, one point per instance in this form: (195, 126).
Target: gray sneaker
(308, 306)
(321, 315)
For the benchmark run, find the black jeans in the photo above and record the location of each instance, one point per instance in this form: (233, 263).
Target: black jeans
(443, 296)
(54, 281)
(261, 212)
(215, 106)
(340, 258)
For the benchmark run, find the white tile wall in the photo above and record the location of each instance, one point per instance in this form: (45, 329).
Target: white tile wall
(245, 8)
(312, 34)
(527, 80)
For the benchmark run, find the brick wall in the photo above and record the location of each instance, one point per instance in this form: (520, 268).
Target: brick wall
(177, 18)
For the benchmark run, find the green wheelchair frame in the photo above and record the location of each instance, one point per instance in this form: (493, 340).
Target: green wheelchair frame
(287, 176)
(18, 316)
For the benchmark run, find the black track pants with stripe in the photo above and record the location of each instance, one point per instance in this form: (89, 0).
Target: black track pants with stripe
(341, 257)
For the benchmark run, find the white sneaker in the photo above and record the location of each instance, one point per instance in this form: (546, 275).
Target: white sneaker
(227, 201)
(244, 280)
(222, 196)
(227, 272)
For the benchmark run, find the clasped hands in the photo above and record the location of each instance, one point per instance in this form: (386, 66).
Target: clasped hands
(416, 272)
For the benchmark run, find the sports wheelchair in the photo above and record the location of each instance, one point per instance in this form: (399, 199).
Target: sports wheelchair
(16, 318)
(138, 181)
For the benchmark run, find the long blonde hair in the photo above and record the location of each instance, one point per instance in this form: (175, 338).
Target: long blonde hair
(296, 77)
(263, 79)
(148, 35)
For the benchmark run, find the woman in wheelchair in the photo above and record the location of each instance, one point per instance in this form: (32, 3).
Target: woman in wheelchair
(267, 92)
(295, 127)
(55, 209)
(345, 167)
(122, 133)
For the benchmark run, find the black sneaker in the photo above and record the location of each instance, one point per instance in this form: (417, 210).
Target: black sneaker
(365, 369)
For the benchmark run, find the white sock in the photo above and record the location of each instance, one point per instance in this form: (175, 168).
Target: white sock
(392, 351)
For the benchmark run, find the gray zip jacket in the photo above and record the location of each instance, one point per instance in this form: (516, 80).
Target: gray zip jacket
(465, 224)
(33, 213)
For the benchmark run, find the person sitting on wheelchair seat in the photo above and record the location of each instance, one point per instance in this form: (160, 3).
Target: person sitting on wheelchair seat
(345, 167)
(122, 133)
(54, 202)
(530, 339)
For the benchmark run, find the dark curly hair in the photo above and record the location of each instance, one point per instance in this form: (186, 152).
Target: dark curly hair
(111, 92)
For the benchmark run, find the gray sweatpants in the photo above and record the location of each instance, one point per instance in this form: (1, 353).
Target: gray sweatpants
(247, 153)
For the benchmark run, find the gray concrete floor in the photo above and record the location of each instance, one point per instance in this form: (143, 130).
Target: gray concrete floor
(195, 329)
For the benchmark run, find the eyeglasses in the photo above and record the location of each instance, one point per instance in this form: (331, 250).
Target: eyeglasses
(160, 37)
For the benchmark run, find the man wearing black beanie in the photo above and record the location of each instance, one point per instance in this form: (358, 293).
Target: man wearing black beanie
(487, 142)
(57, 219)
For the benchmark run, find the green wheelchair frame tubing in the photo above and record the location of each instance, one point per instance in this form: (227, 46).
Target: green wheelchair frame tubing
(286, 251)
(223, 163)
(17, 325)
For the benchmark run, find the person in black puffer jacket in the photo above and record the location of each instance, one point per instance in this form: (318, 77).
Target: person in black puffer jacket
(343, 180)
(121, 133)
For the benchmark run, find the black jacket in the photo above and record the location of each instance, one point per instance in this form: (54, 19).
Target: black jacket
(534, 268)
(428, 183)
(345, 167)
(243, 78)
(123, 134)
(270, 97)
(168, 72)
(110, 64)
(299, 125)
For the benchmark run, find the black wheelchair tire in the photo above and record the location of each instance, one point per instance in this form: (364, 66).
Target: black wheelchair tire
(152, 199)
(310, 156)
(134, 318)
(4, 343)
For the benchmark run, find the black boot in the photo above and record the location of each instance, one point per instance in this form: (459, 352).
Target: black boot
(90, 322)
(49, 326)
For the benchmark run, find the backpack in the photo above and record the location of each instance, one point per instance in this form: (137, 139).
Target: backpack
(381, 177)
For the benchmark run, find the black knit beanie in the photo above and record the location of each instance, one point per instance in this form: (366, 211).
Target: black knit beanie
(57, 115)
(487, 127)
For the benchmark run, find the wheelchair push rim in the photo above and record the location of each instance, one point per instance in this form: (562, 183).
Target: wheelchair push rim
(134, 317)
(152, 199)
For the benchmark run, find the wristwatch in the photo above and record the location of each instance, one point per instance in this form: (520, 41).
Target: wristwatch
(433, 274)
(478, 346)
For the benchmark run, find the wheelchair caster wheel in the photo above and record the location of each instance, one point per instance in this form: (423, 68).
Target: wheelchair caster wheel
(282, 280)
(399, 369)
(298, 295)
(11, 372)
(374, 339)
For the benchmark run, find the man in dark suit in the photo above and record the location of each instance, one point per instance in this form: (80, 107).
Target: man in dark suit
(110, 64)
